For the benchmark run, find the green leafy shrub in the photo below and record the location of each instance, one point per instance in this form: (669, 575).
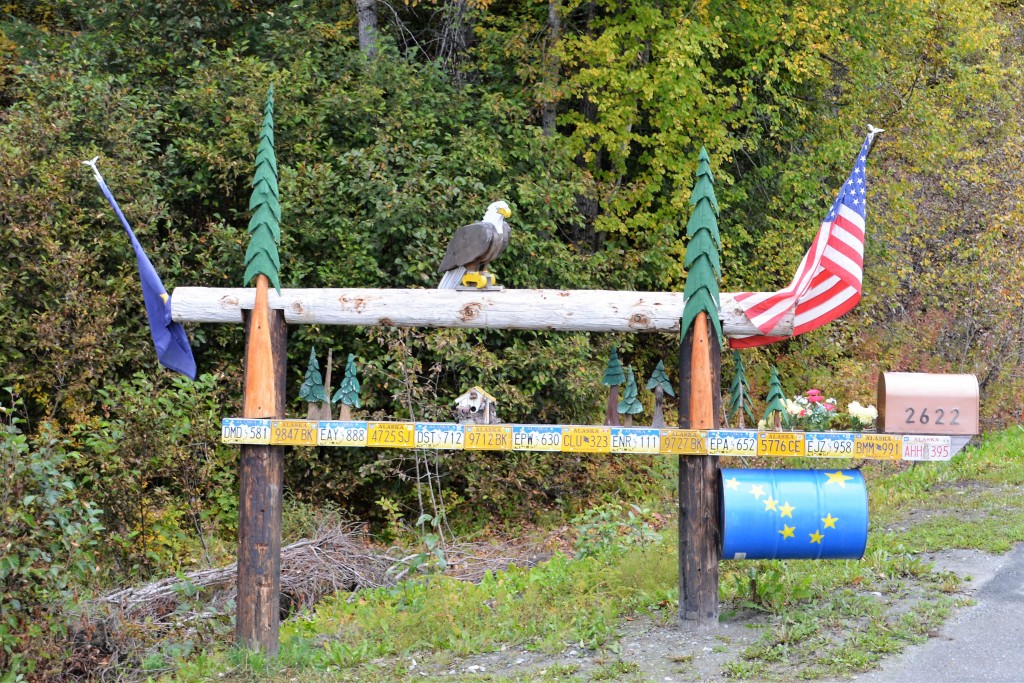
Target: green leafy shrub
(48, 534)
(155, 466)
(612, 528)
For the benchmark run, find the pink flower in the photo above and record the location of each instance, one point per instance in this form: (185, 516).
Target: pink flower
(830, 407)
(814, 396)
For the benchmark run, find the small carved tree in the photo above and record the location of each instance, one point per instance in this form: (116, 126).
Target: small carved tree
(630, 404)
(613, 377)
(739, 401)
(776, 402)
(659, 383)
(348, 393)
(312, 390)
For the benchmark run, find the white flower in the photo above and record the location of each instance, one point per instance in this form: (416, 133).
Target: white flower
(761, 425)
(864, 414)
(793, 408)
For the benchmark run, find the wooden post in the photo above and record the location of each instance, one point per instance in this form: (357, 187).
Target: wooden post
(699, 408)
(261, 481)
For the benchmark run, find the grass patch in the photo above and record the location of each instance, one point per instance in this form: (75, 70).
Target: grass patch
(559, 603)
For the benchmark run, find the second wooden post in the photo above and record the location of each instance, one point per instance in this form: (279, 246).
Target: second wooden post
(700, 407)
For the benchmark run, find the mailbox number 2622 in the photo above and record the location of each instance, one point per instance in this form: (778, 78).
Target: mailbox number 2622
(937, 417)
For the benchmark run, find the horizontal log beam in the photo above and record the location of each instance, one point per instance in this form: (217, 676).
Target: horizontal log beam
(510, 309)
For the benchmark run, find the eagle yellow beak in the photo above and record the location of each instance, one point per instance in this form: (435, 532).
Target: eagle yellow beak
(505, 212)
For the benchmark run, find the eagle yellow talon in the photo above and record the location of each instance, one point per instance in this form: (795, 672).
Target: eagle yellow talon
(474, 279)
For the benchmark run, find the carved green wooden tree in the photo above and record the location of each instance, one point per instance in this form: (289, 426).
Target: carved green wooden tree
(348, 392)
(776, 402)
(739, 401)
(613, 377)
(630, 404)
(312, 390)
(265, 225)
(703, 266)
(660, 384)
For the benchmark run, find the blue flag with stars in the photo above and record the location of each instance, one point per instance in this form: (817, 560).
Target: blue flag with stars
(169, 338)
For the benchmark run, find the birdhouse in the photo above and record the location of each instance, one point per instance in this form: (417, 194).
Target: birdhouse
(476, 406)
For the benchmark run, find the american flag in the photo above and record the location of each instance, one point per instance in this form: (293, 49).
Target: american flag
(828, 282)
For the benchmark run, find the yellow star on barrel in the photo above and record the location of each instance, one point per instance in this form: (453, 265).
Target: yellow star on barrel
(837, 478)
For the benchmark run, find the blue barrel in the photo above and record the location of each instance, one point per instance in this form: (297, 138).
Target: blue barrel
(793, 514)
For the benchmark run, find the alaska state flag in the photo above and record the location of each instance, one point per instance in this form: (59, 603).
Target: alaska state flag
(169, 338)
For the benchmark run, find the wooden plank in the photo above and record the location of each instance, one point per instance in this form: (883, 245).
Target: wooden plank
(261, 487)
(698, 487)
(512, 309)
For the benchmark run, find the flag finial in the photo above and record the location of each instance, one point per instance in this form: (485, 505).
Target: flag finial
(91, 163)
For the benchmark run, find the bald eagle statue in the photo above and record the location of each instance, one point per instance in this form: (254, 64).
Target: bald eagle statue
(473, 247)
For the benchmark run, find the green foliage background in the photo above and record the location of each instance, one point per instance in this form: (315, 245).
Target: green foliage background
(380, 160)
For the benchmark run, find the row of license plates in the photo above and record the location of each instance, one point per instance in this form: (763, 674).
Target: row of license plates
(584, 439)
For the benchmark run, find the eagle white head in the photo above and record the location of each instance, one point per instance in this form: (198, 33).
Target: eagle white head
(496, 213)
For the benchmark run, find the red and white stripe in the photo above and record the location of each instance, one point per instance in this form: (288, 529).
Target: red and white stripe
(826, 285)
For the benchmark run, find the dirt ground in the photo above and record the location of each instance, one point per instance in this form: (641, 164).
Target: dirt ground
(660, 651)
(651, 650)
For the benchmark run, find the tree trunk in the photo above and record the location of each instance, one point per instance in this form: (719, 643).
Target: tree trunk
(658, 419)
(456, 36)
(366, 15)
(325, 409)
(549, 109)
(611, 416)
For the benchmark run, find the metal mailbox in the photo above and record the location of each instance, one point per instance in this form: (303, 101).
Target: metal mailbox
(925, 403)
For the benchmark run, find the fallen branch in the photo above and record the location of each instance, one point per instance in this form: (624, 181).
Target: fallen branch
(338, 559)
